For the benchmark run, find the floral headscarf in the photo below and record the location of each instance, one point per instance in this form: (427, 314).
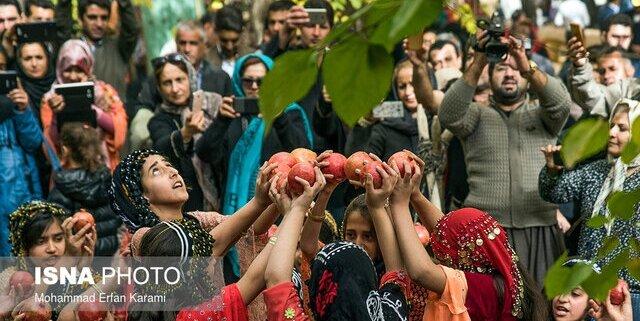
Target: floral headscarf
(472, 241)
(74, 53)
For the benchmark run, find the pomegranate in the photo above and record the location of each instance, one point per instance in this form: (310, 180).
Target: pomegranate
(356, 161)
(23, 279)
(303, 170)
(84, 218)
(616, 295)
(304, 155)
(370, 168)
(36, 311)
(92, 311)
(283, 171)
(282, 158)
(423, 234)
(336, 167)
(399, 158)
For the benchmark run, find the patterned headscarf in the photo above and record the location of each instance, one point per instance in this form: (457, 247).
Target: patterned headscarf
(195, 242)
(472, 241)
(74, 53)
(126, 195)
(344, 286)
(23, 216)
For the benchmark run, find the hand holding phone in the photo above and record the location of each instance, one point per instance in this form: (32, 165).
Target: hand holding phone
(198, 99)
(8, 81)
(246, 106)
(576, 30)
(317, 16)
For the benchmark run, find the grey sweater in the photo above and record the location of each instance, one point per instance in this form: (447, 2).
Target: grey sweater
(502, 151)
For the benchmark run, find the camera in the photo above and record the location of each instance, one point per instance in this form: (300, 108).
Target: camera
(495, 50)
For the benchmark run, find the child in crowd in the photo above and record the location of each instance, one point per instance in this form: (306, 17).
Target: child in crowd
(84, 181)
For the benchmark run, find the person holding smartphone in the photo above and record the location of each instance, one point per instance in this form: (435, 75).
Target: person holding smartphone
(20, 139)
(75, 65)
(235, 145)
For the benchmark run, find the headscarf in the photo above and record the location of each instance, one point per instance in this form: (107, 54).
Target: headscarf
(344, 286)
(211, 103)
(196, 243)
(472, 241)
(238, 91)
(36, 88)
(618, 173)
(23, 216)
(126, 194)
(76, 53)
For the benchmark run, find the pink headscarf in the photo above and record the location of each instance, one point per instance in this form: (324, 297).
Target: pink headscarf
(74, 53)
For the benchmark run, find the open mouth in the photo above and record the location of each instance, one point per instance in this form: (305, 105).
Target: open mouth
(177, 184)
(560, 311)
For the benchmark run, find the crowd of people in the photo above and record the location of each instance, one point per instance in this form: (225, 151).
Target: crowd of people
(170, 166)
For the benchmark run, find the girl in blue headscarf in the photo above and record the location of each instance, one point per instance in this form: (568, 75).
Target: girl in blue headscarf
(235, 144)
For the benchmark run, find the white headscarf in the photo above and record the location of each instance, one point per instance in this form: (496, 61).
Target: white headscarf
(618, 173)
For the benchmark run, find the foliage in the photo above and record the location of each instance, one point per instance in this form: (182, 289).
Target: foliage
(356, 64)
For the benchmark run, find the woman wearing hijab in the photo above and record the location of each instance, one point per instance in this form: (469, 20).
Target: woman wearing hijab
(344, 284)
(479, 278)
(42, 236)
(589, 187)
(177, 127)
(75, 64)
(236, 145)
(37, 73)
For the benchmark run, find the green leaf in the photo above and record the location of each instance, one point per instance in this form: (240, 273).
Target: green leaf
(610, 244)
(358, 77)
(622, 205)
(561, 279)
(290, 79)
(634, 245)
(633, 147)
(410, 19)
(583, 140)
(370, 14)
(634, 268)
(597, 222)
(598, 285)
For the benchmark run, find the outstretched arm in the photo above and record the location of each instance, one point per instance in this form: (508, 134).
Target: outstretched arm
(418, 263)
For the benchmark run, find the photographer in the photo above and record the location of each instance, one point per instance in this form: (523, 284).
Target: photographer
(501, 144)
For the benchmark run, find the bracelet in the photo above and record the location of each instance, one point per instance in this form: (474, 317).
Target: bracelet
(273, 240)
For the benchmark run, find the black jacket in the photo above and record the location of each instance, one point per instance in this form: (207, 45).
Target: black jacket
(78, 188)
(214, 80)
(393, 135)
(166, 137)
(216, 144)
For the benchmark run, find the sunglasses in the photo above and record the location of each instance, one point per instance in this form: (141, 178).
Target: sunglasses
(173, 58)
(248, 82)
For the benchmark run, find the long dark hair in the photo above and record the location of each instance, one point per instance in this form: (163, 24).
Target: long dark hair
(83, 144)
(534, 306)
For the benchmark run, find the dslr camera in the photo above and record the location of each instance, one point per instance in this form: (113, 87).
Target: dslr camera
(495, 50)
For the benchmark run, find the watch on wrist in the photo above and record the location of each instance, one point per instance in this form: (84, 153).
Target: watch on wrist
(533, 66)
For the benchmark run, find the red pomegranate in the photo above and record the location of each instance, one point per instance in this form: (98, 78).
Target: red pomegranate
(399, 158)
(36, 311)
(283, 172)
(282, 158)
(304, 155)
(336, 167)
(84, 218)
(92, 311)
(423, 234)
(303, 170)
(616, 295)
(371, 168)
(356, 161)
(23, 279)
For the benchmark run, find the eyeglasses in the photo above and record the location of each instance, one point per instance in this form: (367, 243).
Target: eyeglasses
(248, 82)
(158, 62)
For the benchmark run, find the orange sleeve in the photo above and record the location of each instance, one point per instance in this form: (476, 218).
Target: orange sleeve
(48, 127)
(451, 304)
(119, 115)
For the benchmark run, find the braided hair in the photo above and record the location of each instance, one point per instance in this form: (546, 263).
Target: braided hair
(126, 193)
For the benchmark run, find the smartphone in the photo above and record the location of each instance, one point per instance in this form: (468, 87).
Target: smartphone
(8, 81)
(317, 16)
(557, 159)
(246, 106)
(197, 101)
(414, 43)
(576, 30)
(389, 109)
(36, 32)
(78, 99)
